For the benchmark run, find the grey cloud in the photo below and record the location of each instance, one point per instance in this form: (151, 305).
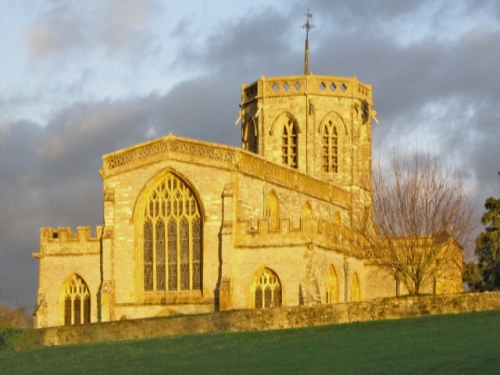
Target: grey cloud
(52, 177)
(115, 25)
(430, 88)
(248, 46)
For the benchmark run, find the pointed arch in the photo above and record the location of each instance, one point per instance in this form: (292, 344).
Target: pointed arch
(288, 129)
(250, 135)
(266, 289)
(172, 236)
(307, 210)
(273, 210)
(332, 286)
(336, 120)
(282, 118)
(355, 294)
(76, 301)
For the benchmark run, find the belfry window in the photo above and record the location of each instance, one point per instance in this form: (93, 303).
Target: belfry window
(76, 302)
(289, 144)
(267, 289)
(249, 136)
(172, 238)
(330, 148)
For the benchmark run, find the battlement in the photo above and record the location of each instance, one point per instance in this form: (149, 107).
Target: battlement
(62, 241)
(65, 234)
(260, 233)
(306, 84)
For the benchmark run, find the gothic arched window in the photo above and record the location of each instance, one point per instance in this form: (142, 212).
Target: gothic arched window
(76, 302)
(250, 138)
(172, 238)
(332, 286)
(289, 143)
(267, 290)
(330, 152)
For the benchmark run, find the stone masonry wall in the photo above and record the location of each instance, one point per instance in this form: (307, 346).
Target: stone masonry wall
(277, 318)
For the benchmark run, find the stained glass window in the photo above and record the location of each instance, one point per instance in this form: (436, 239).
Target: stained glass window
(173, 240)
(148, 255)
(76, 302)
(267, 290)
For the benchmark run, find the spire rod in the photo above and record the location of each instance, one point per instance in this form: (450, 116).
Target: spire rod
(308, 26)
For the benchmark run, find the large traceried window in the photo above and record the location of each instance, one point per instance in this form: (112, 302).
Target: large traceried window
(76, 302)
(267, 290)
(330, 153)
(172, 238)
(289, 142)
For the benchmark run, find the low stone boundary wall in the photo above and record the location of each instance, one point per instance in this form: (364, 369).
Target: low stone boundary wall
(276, 318)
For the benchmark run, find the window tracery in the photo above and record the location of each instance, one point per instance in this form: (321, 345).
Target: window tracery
(76, 302)
(289, 144)
(267, 290)
(330, 148)
(172, 238)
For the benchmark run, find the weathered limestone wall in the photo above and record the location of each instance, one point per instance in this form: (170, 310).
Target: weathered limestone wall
(277, 318)
(62, 255)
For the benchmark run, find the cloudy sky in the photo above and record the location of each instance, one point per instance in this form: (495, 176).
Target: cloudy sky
(80, 79)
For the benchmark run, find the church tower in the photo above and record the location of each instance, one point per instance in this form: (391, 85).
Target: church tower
(319, 125)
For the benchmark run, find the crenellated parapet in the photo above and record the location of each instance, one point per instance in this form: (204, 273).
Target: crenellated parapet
(65, 234)
(322, 233)
(63, 241)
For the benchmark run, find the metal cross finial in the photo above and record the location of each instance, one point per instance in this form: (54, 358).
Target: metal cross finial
(308, 25)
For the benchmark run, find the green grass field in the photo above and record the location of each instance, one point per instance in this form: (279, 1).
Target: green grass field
(446, 344)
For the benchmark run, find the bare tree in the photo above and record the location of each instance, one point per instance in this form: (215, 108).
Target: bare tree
(423, 218)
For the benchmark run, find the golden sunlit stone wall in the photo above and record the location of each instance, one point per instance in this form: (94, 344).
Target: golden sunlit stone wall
(272, 234)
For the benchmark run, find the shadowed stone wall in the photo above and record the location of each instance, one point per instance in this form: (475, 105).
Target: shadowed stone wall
(277, 318)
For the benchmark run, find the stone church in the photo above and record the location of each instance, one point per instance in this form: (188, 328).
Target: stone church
(193, 226)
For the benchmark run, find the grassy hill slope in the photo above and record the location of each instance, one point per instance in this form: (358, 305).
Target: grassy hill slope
(445, 344)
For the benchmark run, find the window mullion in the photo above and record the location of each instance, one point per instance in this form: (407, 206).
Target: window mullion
(154, 254)
(190, 250)
(178, 253)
